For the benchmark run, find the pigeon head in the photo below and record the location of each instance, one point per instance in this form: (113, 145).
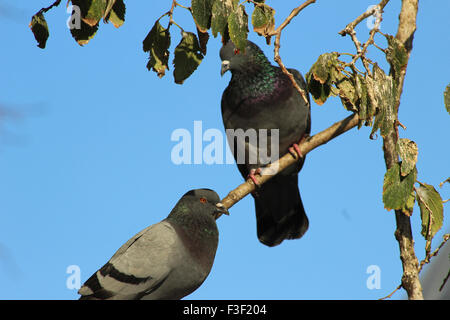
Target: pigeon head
(204, 201)
(249, 61)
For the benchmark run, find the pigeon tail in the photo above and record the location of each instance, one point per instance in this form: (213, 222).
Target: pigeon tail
(279, 210)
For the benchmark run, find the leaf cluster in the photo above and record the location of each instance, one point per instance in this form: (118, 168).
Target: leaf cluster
(84, 21)
(225, 17)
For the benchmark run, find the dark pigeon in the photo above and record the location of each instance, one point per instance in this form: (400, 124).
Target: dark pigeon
(167, 260)
(261, 96)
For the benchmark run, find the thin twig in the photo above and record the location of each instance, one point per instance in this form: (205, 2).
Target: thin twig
(350, 30)
(390, 294)
(277, 34)
(55, 4)
(181, 6)
(427, 259)
(401, 124)
(170, 14)
(291, 16)
(446, 237)
(445, 281)
(351, 26)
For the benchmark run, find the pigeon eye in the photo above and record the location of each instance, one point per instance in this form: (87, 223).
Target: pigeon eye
(237, 51)
(203, 200)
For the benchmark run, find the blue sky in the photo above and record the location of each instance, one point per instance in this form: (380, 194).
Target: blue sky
(85, 155)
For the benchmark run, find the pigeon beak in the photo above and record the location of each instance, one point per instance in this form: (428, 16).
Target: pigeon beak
(225, 67)
(221, 209)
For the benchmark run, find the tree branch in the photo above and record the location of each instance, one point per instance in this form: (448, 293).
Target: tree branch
(403, 233)
(351, 26)
(287, 160)
(277, 34)
(350, 30)
(292, 15)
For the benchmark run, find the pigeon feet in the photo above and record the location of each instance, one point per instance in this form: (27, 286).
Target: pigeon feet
(252, 174)
(295, 149)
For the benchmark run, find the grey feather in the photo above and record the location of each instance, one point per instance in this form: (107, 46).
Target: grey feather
(167, 260)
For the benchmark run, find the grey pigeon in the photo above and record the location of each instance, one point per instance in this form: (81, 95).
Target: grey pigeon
(167, 260)
(261, 96)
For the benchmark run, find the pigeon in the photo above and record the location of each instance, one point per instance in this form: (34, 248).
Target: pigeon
(260, 96)
(167, 260)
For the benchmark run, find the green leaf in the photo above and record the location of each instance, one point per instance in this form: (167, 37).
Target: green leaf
(324, 66)
(91, 12)
(319, 92)
(117, 13)
(203, 38)
(407, 209)
(157, 42)
(322, 75)
(371, 100)
(83, 35)
(221, 9)
(408, 151)
(397, 189)
(238, 27)
(95, 11)
(396, 54)
(187, 57)
(201, 11)
(383, 88)
(447, 98)
(39, 28)
(347, 93)
(363, 101)
(263, 20)
(430, 203)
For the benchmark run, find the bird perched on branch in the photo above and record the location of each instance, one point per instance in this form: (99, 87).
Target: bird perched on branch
(260, 96)
(167, 260)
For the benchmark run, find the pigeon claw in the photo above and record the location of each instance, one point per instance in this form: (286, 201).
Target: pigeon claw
(252, 174)
(295, 151)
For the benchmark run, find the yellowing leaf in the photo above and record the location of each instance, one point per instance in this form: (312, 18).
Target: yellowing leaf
(447, 98)
(157, 42)
(430, 203)
(91, 10)
(408, 151)
(84, 34)
(116, 14)
(263, 20)
(39, 28)
(383, 88)
(322, 75)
